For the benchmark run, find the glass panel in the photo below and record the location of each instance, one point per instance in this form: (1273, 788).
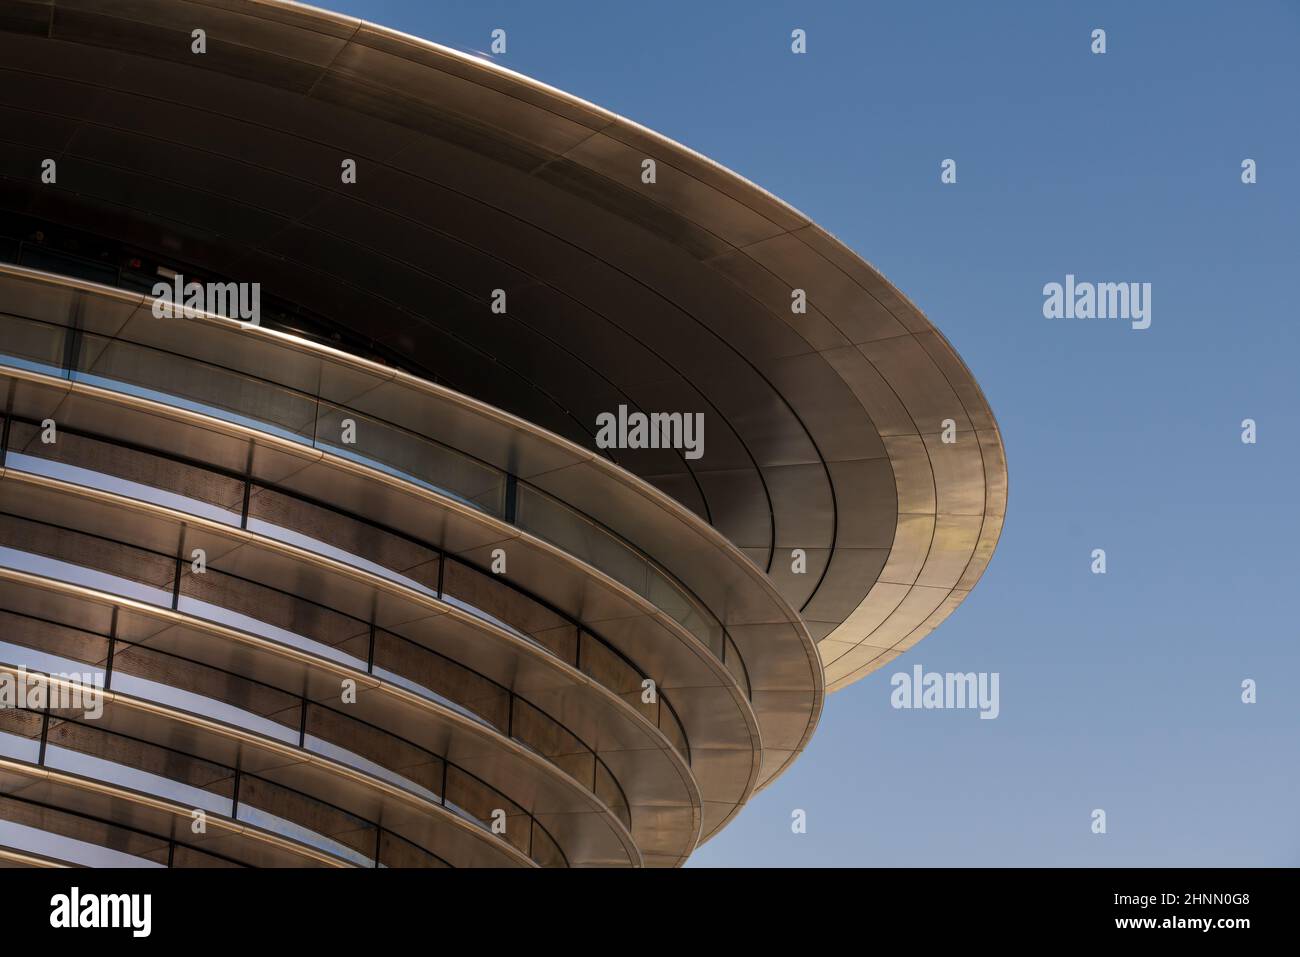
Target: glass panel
(287, 615)
(476, 591)
(672, 728)
(396, 852)
(664, 594)
(189, 857)
(77, 827)
(330, 532)
(444, 677)
(151, 759)
(607, 790)
(68, 264)
(342, 831)
(54, 639)
(736, 665)
(553, 741)
(560, 525)
(488, 806)
(410, 456)
(384, 749)
(142, 475)
(564, 527)
(190, 676)
(22, 724)
(609, 669)
(25, 343)
(545, 851)
(87, 551)
(202, 386)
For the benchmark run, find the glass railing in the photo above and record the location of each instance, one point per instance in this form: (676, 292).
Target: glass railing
(65, 740)
(236, 501)
(39, 548)
(86, 840)
(332, 406)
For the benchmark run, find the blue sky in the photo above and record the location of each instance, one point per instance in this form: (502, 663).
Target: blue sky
(1120, 691)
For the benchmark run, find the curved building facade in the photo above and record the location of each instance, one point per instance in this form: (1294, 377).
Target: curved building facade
(343, 551)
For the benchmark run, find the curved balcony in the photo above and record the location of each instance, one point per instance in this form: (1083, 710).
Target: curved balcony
(267, 402)
(53, 818)
(783, 689)
(59, 529)
(174, 656)
(722, 764)
(179, 763)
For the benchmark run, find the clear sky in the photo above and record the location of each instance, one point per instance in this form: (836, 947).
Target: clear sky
(1123, 691)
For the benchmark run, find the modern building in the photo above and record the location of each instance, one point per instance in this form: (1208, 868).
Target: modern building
(360, 583)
